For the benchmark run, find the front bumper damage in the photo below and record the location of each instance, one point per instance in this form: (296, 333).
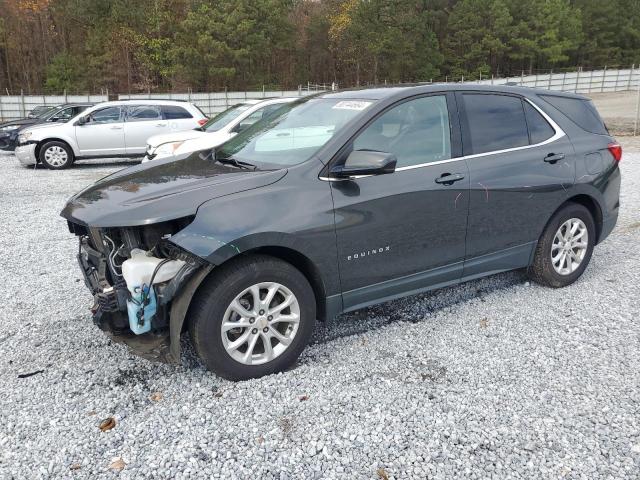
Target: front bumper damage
(26, 154)
(97, 260)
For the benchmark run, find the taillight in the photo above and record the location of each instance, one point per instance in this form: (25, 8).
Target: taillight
(203, 121)
(616, 150)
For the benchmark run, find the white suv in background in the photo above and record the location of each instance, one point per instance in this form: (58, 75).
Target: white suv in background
(106, 130)
(216, 131)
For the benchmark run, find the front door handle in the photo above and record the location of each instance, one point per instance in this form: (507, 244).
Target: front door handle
(116, 128)
(449, 178)
(554, 157)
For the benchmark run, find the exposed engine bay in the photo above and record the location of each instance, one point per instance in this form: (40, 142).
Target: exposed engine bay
(134, 275)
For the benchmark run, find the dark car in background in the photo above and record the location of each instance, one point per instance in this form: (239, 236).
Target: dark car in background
(10, 129)
(39, 110)
(339, 201)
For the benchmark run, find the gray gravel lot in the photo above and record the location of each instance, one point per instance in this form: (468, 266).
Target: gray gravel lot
(496, 378)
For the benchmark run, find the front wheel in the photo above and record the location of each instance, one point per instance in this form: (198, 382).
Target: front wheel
(56, 155)
(251, 318)
(565, 247)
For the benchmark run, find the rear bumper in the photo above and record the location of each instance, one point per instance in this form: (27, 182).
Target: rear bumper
(26, 154)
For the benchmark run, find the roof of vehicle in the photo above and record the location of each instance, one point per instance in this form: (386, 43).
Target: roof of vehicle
(379, 93)
(74, 104)
(255, 101)
(146, 101)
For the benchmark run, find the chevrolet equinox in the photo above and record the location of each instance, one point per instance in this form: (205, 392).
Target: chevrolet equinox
(338, 201)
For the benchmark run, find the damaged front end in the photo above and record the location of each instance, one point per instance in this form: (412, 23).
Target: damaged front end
(142, 284)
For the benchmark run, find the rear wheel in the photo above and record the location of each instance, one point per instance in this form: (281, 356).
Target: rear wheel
(251, 318)
(56, 155)
(564, 250)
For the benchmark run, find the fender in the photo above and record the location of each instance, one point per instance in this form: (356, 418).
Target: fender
(179, 308)
(295, 213)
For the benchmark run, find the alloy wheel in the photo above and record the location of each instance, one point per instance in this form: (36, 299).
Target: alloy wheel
(569, 246)
(260, 323)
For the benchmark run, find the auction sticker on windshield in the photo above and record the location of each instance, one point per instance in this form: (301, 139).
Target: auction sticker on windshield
(351, 105)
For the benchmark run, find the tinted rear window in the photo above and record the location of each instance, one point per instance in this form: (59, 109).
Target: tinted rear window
(172, 112)
(496, 122)
(581, 112)
(539, 128)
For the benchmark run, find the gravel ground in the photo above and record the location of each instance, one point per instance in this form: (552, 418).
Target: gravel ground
(497, 378)
(618, 109)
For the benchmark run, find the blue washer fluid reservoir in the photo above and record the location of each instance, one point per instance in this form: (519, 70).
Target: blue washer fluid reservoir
(138, 272)
(139, 317)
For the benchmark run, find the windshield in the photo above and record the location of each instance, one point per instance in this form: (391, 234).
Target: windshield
(223, 118)
(50, 113)
(292, 134)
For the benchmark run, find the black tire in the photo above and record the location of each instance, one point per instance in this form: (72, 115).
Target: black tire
(542, 270)
(42, 156)
(216, 294)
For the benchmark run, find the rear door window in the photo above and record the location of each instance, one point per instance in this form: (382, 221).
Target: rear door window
(580, 111)
(495, 122)
(539, 128)
(173, 112)
(143, 113)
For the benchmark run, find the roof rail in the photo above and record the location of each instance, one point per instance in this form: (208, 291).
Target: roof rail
(162, 99)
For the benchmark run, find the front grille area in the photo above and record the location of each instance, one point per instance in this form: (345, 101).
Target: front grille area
(77, 229)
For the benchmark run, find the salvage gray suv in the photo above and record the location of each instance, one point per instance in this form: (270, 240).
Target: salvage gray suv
(339, 201)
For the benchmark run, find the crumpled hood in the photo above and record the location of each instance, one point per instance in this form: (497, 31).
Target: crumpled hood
(38, 127)
(162, 190)
(181, 136)
(20, 121)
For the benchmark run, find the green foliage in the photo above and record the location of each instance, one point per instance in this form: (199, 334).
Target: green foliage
(63, 73)
(122, 45)
(233, 43)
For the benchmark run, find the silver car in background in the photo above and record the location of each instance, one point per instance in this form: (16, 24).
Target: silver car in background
(107, 130)
(216, 131)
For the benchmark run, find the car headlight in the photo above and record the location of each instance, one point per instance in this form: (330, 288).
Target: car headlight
(23, 137)
(9, 127)
(167, 148)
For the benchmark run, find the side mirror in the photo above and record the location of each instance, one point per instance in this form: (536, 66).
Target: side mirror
(241, 127)
(82, 120)
(366, 162)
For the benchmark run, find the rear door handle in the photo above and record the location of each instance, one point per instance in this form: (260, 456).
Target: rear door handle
(449, 178)
(116, 128)
(161, 124)
(554, 157)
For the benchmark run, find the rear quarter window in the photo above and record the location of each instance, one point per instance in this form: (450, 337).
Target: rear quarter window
(581, 112)
(539, 128)
(172, 112)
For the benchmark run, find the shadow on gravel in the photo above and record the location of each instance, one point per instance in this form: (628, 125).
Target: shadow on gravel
(413, 309)
(92, 164)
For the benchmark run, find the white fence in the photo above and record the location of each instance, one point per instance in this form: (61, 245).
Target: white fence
(585, 82)
(18, 106)
(215, 102)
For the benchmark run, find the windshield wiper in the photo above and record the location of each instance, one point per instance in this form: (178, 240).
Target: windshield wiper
(235, 162)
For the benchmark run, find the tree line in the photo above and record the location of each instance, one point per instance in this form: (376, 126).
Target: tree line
(207, 45)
